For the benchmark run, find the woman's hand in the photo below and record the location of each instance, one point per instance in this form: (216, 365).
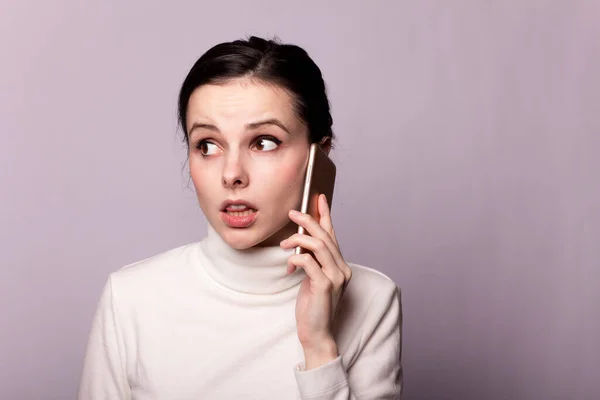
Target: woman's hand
(322, 290)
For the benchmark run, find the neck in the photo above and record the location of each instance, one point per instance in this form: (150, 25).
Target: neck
(257, 270)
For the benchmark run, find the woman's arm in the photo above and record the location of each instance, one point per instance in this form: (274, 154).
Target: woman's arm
(104, 374)
(377, 371)
(376, 374)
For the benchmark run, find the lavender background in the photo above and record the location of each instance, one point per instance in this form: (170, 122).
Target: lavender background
(469, 134)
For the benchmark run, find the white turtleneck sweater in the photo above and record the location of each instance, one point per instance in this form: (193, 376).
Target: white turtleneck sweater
(206, 321)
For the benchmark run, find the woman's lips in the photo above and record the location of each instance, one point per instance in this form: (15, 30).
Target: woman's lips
(235, 220)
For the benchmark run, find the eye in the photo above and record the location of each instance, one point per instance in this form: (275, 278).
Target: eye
(207, 148)
(267, 143)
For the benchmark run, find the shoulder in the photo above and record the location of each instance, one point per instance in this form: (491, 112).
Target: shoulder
(370, 306)
(160, 271)
(369, 283)
(371, 295)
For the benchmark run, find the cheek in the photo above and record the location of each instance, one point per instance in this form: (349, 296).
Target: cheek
(202, 180)
(290, 180)
(289, 174)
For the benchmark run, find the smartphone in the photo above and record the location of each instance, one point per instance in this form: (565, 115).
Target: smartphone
(319, 178)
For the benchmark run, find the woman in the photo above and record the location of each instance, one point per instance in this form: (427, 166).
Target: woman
(238, 314)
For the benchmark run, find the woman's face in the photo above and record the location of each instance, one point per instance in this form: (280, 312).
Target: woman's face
(246, 144)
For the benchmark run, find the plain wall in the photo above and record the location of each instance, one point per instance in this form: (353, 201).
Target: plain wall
(468, 156)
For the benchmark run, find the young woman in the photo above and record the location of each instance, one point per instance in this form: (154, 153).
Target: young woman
(238, 314)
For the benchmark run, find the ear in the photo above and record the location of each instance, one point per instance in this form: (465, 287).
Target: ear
(325, 144)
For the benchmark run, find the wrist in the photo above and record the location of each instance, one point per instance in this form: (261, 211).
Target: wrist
(319, 354)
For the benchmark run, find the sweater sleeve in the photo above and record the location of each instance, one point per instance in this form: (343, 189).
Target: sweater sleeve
(103, 375)
(376, 372)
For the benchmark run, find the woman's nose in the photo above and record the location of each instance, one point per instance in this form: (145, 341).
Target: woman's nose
(234, 173)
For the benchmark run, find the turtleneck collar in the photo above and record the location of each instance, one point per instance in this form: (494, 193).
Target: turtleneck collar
(257, 270)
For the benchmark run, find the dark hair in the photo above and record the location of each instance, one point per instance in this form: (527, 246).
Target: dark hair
(285, 65)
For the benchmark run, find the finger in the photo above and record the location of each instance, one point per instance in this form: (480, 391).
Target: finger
(324, 212)
(347, 271)
(322, 253)
(309, 223)
(313, 270)
(316, 230)
(313, 227)
(319, 247)
(325, 220)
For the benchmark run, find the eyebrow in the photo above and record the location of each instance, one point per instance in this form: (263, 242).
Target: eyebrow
(250, 126)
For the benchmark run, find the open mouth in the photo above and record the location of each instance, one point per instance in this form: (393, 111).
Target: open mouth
(238, 214)
(243, 213)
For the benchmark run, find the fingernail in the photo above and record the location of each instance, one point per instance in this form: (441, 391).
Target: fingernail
(294, 212)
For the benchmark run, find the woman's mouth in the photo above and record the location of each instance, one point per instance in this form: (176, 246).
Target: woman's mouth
(238, 216)
(240, 213)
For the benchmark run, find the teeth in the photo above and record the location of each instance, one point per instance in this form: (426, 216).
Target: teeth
(240, 213)
(237, 207)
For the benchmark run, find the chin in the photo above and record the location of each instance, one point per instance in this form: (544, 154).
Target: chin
(253, 236)
(239, 239)
(242, 238)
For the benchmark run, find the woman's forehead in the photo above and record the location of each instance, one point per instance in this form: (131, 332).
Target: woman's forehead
(240, 102)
